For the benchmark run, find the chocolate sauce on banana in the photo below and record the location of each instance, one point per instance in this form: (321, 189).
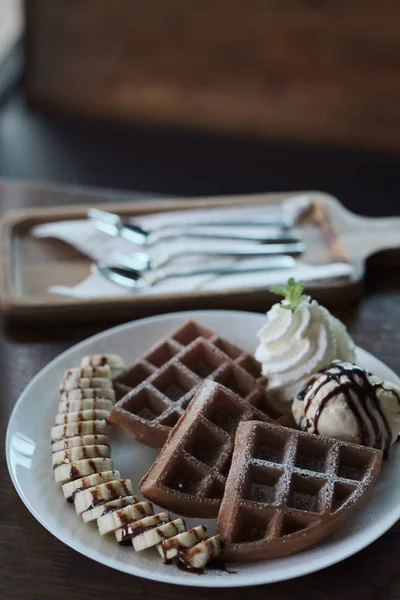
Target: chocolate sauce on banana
(188, 569)
(114, 495)
(95, 443)
(110, 509)
(101, 361)
(174, 543)
(129, 531)
(80, 489)
(357, 388)
(215, 564)
(97, 453)
(127, 519)
(92, 465)
(74, 474)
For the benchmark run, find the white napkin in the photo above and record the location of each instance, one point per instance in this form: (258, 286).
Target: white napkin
(100, 247)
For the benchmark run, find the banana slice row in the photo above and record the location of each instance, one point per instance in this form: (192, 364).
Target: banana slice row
(114, 361)
(82, 464)
(92, 514)
(81, 394)
(67, 406)
(192, 547)
(170, 548)
(72, 488)
(79, 439)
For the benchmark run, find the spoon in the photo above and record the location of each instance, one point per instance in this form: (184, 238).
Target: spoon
(143, 261)
(113, 225)
(138, 280)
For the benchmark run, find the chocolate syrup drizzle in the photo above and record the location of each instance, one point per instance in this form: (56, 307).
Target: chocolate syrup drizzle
(215, 564)
(110, 509)
(66, 460)
(174, 543)
(182, 562)
(366, 392)
(114, 495)
(129, 531)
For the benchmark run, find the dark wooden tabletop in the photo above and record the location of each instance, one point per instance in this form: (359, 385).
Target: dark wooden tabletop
(35, 565)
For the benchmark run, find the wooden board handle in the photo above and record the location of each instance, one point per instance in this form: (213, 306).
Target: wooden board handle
(381, 235)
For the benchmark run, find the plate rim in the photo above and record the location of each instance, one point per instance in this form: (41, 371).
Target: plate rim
(379, 528)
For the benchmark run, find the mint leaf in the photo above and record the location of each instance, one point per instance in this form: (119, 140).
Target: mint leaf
(280, 290)
(292, 293)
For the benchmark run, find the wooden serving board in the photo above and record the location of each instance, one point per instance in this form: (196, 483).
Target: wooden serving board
(29, 265)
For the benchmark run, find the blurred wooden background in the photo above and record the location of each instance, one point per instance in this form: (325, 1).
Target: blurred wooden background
(320, 71)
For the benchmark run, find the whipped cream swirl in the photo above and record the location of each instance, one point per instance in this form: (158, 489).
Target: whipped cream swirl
(295, 344)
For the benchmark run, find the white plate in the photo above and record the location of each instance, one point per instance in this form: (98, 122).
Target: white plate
(29, 463)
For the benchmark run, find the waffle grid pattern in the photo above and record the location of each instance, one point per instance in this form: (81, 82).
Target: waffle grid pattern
(285, 482)
(189, 475)
(156, 390)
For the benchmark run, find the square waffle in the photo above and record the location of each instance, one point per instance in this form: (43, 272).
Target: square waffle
(189, 475)
(156, 390)
(287, 490)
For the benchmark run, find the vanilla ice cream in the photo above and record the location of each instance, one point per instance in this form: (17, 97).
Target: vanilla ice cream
(296, 342)
(347, 403)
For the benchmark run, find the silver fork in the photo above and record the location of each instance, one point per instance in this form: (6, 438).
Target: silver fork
(280, 229)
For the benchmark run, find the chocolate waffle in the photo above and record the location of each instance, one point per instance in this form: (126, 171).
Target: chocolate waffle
(287, 490)
(189, 474)
(156, 390)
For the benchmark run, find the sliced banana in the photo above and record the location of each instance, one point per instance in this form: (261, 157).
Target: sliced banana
(198, 556)
(171, 547)
(80, 440)
(88, 393)
(73, 487)
(82, 464)
(85, 382)
(78, 372)
(116, 519)
(99, 494)
(80, 453)
(129, 530)
(115, 362)
(85, 404)
(81, 468)
(68, 430)
(81, 415)
(154, 536)
(103, 509)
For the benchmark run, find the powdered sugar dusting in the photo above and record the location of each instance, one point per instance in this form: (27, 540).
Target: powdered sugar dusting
(329, 478)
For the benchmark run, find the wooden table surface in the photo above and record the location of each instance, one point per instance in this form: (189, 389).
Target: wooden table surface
(34, 565)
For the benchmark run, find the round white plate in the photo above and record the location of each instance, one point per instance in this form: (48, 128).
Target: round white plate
(29, 463)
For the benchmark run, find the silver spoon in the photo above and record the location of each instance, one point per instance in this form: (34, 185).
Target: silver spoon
(139, 280)
(113, 225)
(142, 261)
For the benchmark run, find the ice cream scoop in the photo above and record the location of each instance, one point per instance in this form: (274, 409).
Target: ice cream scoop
(299, 338)
(348, 403)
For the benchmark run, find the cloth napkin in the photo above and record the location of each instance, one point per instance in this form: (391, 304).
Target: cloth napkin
(100, 247)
